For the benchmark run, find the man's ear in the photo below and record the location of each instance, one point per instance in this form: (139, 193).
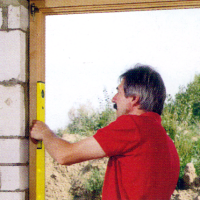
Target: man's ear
(135, 100)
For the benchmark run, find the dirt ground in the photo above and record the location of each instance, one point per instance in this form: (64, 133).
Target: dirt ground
(69, 182)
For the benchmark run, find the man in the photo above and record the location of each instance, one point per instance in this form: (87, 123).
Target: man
(143, 162)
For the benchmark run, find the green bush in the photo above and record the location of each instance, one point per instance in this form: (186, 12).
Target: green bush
(187, 102)
(180, 119)
(94, 183)
(86, 121)
(188, 149)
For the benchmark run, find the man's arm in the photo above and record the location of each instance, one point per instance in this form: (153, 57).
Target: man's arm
(64, 152)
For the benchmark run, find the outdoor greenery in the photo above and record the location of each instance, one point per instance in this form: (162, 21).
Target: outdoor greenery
(180, 118)
(86, 120)
(94, 183)
(89, 186)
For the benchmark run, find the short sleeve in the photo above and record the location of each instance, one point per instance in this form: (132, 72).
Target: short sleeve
(119, 137)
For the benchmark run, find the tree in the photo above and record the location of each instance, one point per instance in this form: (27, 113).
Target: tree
(187, 102)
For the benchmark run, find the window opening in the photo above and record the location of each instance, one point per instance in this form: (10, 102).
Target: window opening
(86, 53)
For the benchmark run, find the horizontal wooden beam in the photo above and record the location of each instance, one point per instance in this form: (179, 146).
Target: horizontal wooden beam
(51, 7)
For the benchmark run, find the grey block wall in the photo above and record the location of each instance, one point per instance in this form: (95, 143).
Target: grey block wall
(14, 23)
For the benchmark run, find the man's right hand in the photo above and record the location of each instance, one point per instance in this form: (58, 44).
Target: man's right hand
(38, 130)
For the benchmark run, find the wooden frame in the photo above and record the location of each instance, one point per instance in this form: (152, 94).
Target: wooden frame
(36, 73)
(37, 42)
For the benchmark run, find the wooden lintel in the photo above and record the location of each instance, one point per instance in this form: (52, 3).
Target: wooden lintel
(51, 7)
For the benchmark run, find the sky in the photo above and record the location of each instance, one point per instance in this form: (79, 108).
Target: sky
(86, 53)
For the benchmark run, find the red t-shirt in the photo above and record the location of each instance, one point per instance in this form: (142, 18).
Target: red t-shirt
(143, 163)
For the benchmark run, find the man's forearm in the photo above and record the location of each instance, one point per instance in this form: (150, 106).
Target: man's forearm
(64, 152)
(58, 148)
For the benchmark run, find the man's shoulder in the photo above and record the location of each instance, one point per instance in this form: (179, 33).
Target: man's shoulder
(130, 117)
(123, 122)
(126, 117)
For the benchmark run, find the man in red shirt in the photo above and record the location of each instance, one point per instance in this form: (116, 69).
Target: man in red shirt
(143, 163)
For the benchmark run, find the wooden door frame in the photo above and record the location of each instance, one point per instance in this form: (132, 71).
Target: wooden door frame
(37, 43)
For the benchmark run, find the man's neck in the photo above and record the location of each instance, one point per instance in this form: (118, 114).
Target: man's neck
(137, 111)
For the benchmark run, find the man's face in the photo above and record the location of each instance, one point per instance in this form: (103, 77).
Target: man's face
(123, 103)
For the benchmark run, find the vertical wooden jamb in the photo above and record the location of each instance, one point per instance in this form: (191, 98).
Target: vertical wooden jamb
(37, 73)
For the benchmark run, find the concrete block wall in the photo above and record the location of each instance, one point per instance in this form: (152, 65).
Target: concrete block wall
(14, 21)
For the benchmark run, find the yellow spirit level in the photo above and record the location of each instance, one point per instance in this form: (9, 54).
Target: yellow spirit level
(40, 152)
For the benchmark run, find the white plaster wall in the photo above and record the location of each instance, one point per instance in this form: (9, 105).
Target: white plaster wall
(13, 99)
(12, 195)
(17, 17)
(12, 111)
(14, 178)
(12, 55)
(16, 149)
